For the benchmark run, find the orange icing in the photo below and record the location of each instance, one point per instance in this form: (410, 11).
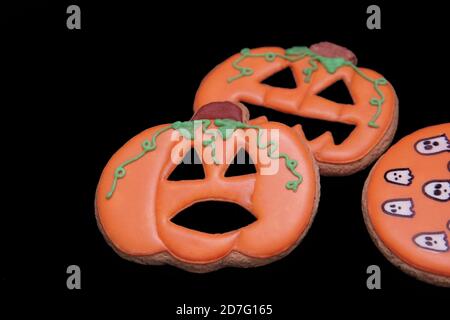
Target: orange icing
(430, 215)
(136, 219)
(304, 101)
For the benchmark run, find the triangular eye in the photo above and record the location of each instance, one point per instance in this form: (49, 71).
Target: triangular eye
(242, 164)
(337, 92)
(190, 168)
(282, 79)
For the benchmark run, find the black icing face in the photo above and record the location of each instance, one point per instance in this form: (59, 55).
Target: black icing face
(428, 145)
(429, 241)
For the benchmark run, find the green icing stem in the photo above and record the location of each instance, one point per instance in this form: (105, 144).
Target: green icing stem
(225, 128)
(331, 65)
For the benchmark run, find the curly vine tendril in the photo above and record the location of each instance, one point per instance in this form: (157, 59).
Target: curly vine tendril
(291, 164)
(225, 127)
(147, 146)
(330, 64)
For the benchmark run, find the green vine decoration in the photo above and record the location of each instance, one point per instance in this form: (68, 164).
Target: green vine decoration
(147, 146)
(268, 56)
(225, 128)
(228, 125)
(331, 65)
(212, 144)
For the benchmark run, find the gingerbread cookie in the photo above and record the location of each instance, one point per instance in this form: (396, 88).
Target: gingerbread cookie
(374, 112)
(135, 200)
(406, 204)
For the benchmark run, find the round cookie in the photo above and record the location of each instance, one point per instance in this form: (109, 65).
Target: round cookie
(135, 200)
(406, 204)
(374, 112)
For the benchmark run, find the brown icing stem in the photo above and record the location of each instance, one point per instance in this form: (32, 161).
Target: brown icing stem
(331, 50)
(222, 110)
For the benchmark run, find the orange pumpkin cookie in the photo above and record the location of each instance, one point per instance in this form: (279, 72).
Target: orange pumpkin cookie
(135, 201)
(374, 112)
(406, 204)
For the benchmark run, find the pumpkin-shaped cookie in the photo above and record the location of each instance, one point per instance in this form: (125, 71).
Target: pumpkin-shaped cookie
(135, 201)
(406, 204)
(374, 112)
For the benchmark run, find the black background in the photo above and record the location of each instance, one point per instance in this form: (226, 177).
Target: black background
(74, 97)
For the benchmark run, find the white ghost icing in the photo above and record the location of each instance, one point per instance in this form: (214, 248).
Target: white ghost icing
(399, 176)
(399, 207)
(433, 145)
(436, 241)
(438, 190)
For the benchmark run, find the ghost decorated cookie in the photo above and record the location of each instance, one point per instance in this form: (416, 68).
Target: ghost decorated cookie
(136, 201)
(406, 204)
(373, 111)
